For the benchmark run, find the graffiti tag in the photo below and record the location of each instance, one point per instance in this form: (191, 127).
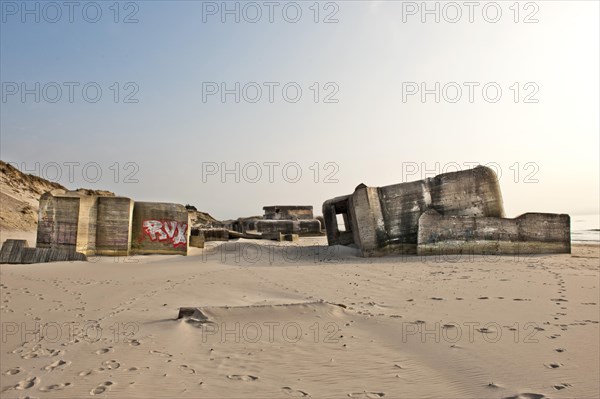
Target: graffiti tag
(166, 231)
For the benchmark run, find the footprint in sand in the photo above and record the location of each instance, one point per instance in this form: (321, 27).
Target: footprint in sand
(133, 342)
(103, 351)
(553, 365)
(561, 386)
(26, 383)
(366, 395)
(159, 353)
(187, 369)
(59, 364)
(560, 350)
(55, 387)
(295, 393)
(238, 377)
(111, 364)
(100, 389)
(13, 371)
(527, 396)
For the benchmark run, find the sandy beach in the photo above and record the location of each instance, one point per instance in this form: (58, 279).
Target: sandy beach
(302, 320)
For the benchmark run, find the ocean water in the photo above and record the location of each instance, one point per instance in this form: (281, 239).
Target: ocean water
(585, 228)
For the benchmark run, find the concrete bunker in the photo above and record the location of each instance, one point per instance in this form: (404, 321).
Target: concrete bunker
(109, 225)
(281, 219)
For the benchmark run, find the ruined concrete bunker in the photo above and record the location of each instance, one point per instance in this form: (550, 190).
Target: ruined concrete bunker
(385, 220)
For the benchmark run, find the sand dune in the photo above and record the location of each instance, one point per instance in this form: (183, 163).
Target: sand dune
(302, 321)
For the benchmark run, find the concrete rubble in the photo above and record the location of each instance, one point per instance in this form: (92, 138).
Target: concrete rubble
(19, 252)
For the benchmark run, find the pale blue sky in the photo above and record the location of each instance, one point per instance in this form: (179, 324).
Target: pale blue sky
(369, 133)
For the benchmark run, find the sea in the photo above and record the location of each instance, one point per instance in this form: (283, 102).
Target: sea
(585, 229)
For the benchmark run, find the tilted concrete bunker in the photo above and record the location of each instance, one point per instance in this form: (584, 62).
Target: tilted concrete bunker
(458, 212)
(385, 220)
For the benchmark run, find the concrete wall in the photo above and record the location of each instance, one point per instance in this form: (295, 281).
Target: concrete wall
(215, 234)
(113, 226)
(305, 228)
(160, 228)
(384, 220)
(529, 233)
(288, 212)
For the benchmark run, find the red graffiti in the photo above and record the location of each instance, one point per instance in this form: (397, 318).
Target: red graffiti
(166, 231)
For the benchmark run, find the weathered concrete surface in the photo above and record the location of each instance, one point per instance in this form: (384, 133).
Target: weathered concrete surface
(113, 226)
(288, 212)
(89, 224)
(215, 234)
(530, 233)
(67, 220)
(160, 228)
(304, 228)
(384, 220)
(196, 238)
(18, 251)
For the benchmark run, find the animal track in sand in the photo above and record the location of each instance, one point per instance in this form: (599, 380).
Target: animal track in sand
(239, 377)
(57, 364)
(55, 387)
(294, 393)
(560, 350)
(527, 396)
(100, 389)
(104, 350)
(366, 395)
